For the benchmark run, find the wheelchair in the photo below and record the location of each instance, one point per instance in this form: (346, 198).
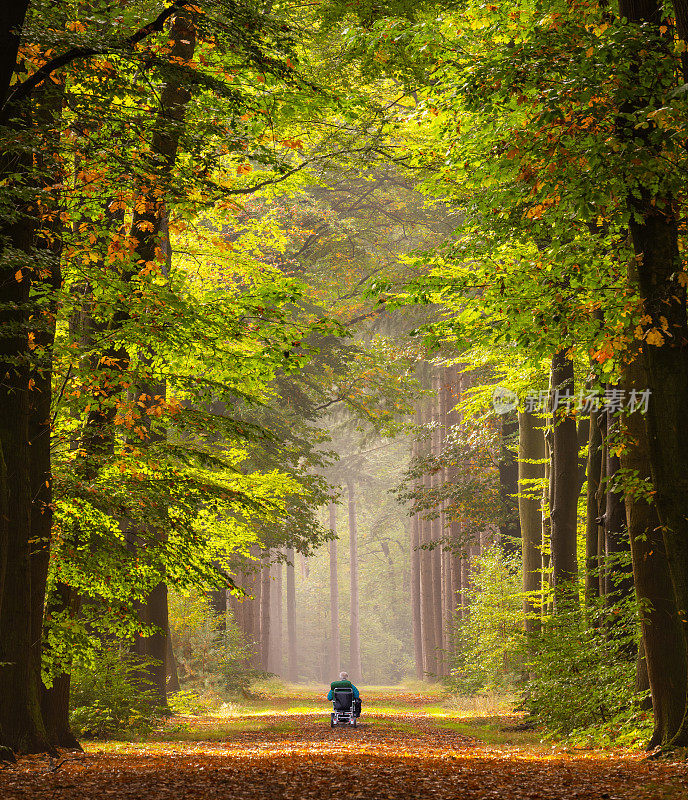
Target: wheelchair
(345, 709)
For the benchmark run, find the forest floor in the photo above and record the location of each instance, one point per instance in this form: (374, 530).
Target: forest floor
(407, 745)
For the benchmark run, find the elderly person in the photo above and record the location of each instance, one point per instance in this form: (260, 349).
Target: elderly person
(345, 683)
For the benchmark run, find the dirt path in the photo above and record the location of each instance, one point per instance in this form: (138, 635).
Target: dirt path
(298, 756)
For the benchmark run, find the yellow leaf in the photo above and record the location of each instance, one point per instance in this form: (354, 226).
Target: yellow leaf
(654, 337)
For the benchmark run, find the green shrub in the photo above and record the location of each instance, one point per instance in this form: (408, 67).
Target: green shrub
(212, 653)
(109, 701)
(576, 676)
(190, 703)
(582, 677)
(489, 639)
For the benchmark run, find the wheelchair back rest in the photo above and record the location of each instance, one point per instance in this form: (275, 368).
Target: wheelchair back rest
(343, 699)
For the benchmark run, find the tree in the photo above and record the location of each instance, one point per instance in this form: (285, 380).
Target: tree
(354, 611)
(564, 496)
(531, 453)
(292, 662)
(335, 656)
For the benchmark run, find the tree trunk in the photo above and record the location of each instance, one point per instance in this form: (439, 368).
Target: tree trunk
(63, 600)
(447, 608)
(21, 725)
(293, 672)
(415, 596)
(617, 542)
(436, 528)
(49, 247)
(531, 449)
(355, 631)
(547, 526)
(276, 619)
(601, 508)
(463, 582)
(593, 473)
(509, 526)
(430, 644)
(265, 613)
(335, 653)
(218, 604)
(456, 581)
(11, 22)
(565, 484)
(663, 641)
(446, 555)
(156, 644)
(653, 223)
(455, 525)
(257, 590)
(173, 684)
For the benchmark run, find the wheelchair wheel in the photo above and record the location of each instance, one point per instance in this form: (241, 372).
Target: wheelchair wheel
(331, 720)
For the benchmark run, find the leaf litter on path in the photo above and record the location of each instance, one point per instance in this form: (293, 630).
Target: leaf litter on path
(307, 759)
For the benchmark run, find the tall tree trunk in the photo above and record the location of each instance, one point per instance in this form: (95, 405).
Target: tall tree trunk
(355, 669)
(436, 530)
(617, 543)
(55, 700)
(663, 642)
(445, 555)
(455, 530)
(151, 393)
(293, 670)
(653, 223)
(49, 246)
(601, 508)
(547, 524)
(265, 613)
(218, 605)
(335, 651)
(150, 233)
(593, 472)
(447, 608)
(276, 619)
(257, 589)
(173, 684)
(156, 643)
(415, 596)
(531, 468)
(11, 22)
(430, 643)
(509, 526)
(21, 724)
(463, 582)
(565, 487)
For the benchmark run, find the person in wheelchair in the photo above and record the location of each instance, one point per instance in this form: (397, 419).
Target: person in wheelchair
(346, 701)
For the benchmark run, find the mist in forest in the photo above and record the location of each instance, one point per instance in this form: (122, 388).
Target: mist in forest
(382, 530)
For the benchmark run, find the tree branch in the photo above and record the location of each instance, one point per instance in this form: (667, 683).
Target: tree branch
(25, 88)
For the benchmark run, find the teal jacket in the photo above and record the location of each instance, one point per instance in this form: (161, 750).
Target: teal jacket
(341, 685)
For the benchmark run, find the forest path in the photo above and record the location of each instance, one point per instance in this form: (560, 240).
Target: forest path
(403, 748)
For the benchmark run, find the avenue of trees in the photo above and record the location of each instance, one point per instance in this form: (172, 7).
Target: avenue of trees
(263, 264)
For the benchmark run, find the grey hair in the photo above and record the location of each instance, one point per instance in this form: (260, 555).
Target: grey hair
(343, 675)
